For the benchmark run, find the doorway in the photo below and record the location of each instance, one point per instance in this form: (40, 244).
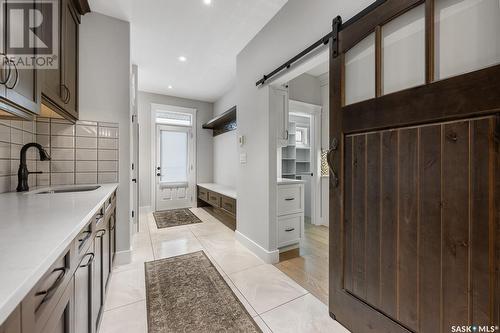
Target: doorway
(174, 174)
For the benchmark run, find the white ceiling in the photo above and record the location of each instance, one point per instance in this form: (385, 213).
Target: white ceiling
(209, 37)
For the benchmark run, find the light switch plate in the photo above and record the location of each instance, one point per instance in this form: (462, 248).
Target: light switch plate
(243, 158)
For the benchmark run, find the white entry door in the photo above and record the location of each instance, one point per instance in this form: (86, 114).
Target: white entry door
(174, 167)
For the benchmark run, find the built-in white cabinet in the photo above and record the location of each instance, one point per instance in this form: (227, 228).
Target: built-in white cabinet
(290, 213)
(279, 107)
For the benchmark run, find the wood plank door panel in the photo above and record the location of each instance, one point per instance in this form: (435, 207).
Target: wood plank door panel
(414, 204)
(419, 224)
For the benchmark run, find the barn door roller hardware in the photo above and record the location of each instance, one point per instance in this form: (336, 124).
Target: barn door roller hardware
(337, 26)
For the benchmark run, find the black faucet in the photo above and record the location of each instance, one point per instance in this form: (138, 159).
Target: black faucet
(22, 173)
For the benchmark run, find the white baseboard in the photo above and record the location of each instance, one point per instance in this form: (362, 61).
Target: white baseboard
(145, 210)
(123, 257)
(269, 257)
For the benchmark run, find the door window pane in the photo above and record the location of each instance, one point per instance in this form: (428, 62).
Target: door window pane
(403, 51)
(360, 71)
(174, 157)
(173, 118)
(467, 36)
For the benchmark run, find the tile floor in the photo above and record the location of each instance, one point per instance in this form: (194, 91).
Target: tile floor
(276, 302)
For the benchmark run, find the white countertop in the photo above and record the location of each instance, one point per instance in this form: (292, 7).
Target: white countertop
(34, 231)
(287, 181)
(222, 189)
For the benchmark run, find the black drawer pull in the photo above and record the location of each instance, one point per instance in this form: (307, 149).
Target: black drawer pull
(289, 229)
(47, 294)
(289, 199)
(90, 260)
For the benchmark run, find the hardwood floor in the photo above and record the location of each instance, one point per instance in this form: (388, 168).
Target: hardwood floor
(310, 269)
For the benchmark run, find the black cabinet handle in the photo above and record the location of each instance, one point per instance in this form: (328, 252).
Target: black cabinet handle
(289, 199)
(334, 179)
(9, 70)
(92, 255)
(289, 229)
(67, 94)
(49, 292)
(158, 174)
(17, 76)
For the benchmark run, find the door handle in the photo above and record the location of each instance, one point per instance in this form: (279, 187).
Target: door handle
(334, 179)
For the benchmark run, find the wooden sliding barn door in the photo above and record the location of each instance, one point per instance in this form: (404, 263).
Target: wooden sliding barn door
(414, 229)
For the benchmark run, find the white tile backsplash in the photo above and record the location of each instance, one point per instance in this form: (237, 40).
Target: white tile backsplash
(44, 140)
(16, 136)
(86, 130)
(62, 166)
(108, 143)
(42, 128)
(86, 166)
(108, 132)
(62, 129)
(62, 154)
(4, 168)
(5, 150)
(108, 155)
(85, 142)
(78, 152)
(86, 178)
(4, 133)
(62, 178)
(108, 166)
(107, 177)
(86, 154)
(62, 141)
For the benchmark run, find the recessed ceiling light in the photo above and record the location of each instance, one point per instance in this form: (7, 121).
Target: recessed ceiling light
(182, 59)
(169, 87)
(207, 2)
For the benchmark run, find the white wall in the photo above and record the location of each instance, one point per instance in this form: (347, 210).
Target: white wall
(294, 27)
(204, 140)
(226, 145)
(325, 144)
(305, 88)
(104, 95)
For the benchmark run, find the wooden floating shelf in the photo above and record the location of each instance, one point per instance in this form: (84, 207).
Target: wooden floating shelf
(223, 123)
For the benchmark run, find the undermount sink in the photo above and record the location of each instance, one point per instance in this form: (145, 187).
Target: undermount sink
(69, 189)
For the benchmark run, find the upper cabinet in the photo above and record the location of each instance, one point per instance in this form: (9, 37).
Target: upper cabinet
(279, 107)
(54, 40)
(60, 85)
(19, 93)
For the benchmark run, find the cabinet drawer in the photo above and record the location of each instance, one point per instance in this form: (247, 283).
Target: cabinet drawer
(229, 205)
(38, 305)
(290, 199)
(214, 198)
(289, 229)
(202, 194)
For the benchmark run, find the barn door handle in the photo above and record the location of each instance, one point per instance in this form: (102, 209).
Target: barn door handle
(334, 179)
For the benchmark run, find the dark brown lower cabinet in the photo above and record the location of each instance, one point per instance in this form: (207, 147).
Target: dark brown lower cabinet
(83, 294)
(97, 287)
(13, 323)
(61, 319)
(112, 239)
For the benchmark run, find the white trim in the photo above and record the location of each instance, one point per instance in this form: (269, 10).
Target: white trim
(123, 257)
(315, 111)
(145, 209)
(269, 257)
(172, 108)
